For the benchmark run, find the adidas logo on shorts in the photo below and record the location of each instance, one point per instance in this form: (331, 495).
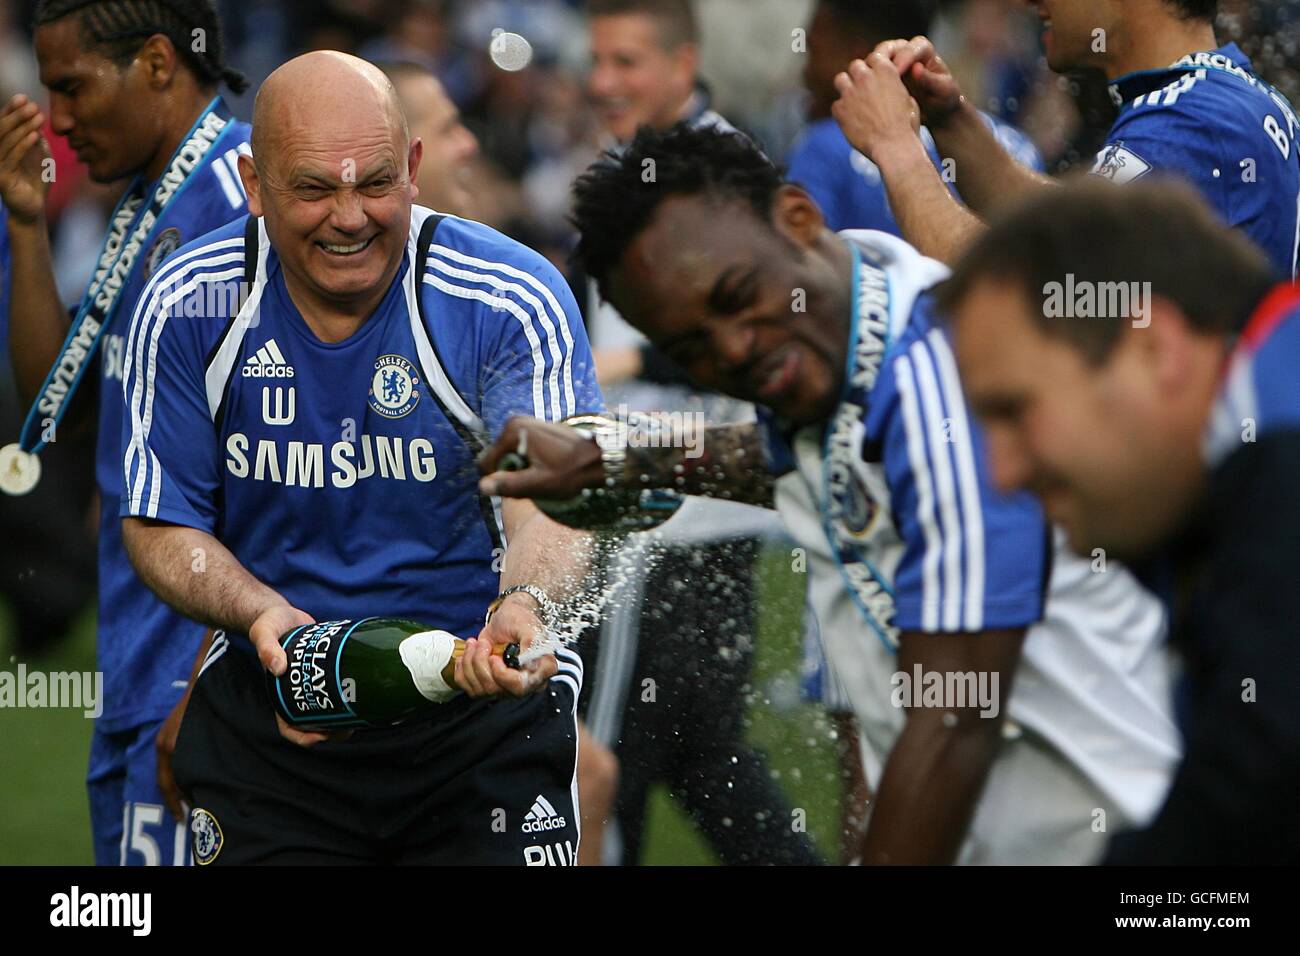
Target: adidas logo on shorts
(269, 362)
(542, 816)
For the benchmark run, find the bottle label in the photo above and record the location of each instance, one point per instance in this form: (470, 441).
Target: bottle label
(310, 691)
(425, 655)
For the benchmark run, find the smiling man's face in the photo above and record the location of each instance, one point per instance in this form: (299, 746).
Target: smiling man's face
(757, 310)
(1112, 448)
(336, 193)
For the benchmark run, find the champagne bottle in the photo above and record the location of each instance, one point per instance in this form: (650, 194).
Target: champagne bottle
(615, 508)
(375, 671)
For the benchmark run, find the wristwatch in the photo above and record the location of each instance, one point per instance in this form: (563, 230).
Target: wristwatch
(544, 603)
(611, 435)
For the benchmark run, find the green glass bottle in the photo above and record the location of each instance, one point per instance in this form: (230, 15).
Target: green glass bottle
(375, 671)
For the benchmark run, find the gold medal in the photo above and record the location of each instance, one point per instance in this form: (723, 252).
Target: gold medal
(19, 471)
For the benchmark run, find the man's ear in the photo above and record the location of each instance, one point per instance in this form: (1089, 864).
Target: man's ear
(252, 183)
(686, 62)
(1167, 345)
(413, 158)
(158, 59)
(797, 216)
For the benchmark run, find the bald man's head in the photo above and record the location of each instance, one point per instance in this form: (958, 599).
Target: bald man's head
(320, 86)
(332, 176)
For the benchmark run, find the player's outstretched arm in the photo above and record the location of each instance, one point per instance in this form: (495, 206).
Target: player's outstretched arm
(37, 323)
(934, 775)
(725, 461)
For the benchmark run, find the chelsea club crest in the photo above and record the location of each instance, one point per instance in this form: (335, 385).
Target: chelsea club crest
(167, 243)
(392, 389)
(207, 836)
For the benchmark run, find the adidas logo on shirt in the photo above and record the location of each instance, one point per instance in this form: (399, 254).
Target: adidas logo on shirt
(269, 362)
(542, 816)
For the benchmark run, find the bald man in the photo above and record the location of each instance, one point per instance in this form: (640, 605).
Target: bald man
(304, 452)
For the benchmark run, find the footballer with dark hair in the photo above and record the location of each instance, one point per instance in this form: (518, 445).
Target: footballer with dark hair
(133, 86)
(933, 571)
(1175, 439)
(1187, 107)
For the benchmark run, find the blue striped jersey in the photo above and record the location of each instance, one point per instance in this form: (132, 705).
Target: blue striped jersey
(1209, 120)
(849, 188)
(892, 501)
(342, 474)
(145, 649)
(922, 539)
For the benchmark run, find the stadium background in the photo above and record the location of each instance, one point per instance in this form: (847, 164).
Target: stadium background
(536, 134)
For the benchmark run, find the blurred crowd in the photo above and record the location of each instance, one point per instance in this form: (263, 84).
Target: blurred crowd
(535, 128)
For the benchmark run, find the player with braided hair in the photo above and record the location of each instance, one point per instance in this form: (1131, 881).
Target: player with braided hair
(133, 87)
(118, 28)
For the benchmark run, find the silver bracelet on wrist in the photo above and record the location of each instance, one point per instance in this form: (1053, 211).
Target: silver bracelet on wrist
(546, 607)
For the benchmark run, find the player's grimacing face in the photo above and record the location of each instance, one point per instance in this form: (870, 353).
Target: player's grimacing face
(337, 206)
(99, 107)
(741, 308)
(1085, 439)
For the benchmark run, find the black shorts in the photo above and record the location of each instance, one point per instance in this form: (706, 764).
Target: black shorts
(481, 782)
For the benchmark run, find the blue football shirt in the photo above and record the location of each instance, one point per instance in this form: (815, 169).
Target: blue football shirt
(1209, 120)
(342, 474)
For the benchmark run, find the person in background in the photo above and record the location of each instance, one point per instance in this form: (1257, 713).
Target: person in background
(129, 88)
(449, 147)
(687, 619)
(846, 184)
(1172, 438)
(1186, 107)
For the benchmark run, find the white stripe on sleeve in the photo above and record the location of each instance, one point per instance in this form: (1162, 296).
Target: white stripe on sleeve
(534, 343)
(561, 317)
(945, 484)
(967, 480)
(233, 194)
(914, 430)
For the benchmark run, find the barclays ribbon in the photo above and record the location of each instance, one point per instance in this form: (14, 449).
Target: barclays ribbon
(847, 509)
(131, 227)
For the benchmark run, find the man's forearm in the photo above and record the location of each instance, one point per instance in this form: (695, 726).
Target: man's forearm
(928, 214)
(544, 553)
(936, 771)
(987, 176)
(929, 789)
(724, 461)
(37, 321)
(196, 574)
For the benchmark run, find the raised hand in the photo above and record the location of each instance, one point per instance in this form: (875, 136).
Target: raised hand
(23, 152)
(926, 76)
